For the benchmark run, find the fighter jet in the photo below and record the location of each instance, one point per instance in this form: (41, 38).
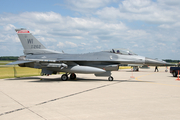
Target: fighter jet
(36, 55)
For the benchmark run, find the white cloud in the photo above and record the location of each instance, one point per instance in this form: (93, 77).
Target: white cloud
(71, 44)
(83, 44)
(136, 6)
(68, 27)
(60, 45)
(169, 2)
(87, 5)
(165, 26)
(161, 44)
(9, 27)
(8, 38)
(2, 48)
(67, 44)
(140, 25)
(144, 10)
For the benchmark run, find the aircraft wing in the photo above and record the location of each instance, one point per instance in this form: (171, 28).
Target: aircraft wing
(140, 65)
(75, 60)
(83, 59)
(19, 62)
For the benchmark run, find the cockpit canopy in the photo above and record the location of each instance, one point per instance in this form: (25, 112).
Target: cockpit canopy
(122, 51)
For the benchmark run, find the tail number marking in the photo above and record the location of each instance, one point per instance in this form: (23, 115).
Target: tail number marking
(30, 41)
(35, 46)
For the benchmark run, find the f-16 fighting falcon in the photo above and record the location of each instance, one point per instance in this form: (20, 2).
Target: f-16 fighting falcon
(97, 63)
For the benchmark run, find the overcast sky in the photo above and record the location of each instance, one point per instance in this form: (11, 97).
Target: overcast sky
(149, 28)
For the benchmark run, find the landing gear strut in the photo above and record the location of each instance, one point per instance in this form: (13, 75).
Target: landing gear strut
(110, 78)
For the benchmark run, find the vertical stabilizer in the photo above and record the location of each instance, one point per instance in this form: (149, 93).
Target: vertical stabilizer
(30, 44)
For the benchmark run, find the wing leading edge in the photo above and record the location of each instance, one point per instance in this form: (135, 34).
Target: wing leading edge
(19, 62)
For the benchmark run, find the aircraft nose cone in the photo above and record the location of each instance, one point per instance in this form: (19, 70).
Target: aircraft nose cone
(154, 62)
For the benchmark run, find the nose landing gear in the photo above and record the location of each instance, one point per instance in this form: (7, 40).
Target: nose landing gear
(110, 78)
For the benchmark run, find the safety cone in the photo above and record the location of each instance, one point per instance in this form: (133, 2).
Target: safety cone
(178, 76)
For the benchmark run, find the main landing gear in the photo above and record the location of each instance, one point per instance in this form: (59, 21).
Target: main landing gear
(64, 77)
(73, 76)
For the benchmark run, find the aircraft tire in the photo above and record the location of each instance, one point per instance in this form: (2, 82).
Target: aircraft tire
(110, 78)
(64, 77)
(42, 74)
(73, 76)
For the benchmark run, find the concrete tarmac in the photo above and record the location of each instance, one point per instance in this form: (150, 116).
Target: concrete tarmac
(150, 95)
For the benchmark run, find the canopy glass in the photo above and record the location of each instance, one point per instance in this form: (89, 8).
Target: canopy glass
(122, 51)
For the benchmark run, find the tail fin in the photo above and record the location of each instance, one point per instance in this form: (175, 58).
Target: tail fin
(30, 44)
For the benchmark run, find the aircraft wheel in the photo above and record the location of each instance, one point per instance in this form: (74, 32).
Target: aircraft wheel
(73, 76)
(110, 78)
(42, 74)
(64, 77)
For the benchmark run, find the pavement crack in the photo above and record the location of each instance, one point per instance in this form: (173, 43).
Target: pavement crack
(19, 109)
(73, 94)
(52, 100)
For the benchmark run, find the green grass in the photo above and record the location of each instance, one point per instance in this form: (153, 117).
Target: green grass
(16, 71)
(4, 62)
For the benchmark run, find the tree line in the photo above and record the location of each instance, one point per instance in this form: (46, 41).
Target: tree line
(9, 58)
(171, 61)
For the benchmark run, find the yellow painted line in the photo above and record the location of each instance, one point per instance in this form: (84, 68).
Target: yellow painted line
(143, 76)
(137, 78)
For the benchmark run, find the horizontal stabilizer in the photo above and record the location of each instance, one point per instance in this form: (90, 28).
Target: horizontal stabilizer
(19, 62)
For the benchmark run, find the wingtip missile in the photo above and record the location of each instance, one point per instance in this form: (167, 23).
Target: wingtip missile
(19, 29)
